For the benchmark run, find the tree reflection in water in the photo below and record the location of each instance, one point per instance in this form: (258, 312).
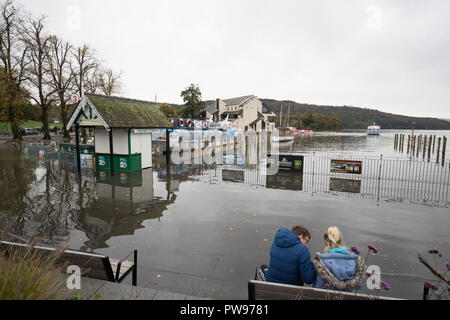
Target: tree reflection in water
(41, 195)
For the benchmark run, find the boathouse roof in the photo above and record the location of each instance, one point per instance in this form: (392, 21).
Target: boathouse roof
(117, 112)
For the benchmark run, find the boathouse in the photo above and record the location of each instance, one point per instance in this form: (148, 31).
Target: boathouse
(122, 130)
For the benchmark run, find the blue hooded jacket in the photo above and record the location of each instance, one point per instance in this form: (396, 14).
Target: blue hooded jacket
(340, 262)
(290, 261)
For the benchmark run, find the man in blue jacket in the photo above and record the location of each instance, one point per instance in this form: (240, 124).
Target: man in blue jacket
(290, 260)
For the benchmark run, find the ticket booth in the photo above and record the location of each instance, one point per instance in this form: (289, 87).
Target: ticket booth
(122, 131)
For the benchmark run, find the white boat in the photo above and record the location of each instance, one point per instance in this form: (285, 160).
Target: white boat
(284, 134)
(373, 130)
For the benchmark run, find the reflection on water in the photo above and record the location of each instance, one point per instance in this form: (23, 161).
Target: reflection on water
(358, 142)
(41, 193)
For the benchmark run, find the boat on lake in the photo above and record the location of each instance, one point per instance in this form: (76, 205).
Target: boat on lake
(284, 134)
(373, 130)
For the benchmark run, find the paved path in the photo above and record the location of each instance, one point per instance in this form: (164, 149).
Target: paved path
(92, 289)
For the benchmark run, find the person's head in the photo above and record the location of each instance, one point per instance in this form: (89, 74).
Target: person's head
(333, 239)
(302, 233)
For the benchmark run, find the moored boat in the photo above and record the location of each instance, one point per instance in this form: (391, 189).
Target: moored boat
(284, 134)
(373, 130)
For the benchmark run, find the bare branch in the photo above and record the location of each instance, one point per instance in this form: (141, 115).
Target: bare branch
(435, 271)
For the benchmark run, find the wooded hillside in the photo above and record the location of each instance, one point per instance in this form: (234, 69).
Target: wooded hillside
(358, 118)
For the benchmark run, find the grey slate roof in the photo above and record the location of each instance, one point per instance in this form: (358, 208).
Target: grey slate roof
(211, 108)
(237, 101)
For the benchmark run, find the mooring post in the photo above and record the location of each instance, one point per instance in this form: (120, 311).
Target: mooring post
(434, 142)
(413, 148)
(409, 143)
(419, 145)
(444, 146)
(429, 148)
(424, 147)
(438, 149)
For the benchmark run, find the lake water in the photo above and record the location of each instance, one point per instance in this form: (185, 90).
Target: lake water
(202, 229)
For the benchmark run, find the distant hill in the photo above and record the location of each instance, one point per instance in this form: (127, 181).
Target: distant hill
(354, 117)
(359, 118)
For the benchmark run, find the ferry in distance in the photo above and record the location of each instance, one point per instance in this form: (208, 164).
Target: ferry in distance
(373, 130)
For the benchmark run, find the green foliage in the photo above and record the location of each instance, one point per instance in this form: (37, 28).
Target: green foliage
(313, 121)
(79, 296)
(192, 98)
(6, 127)
(26, 274)
(30, 112)
(167, 109)
(359, 118)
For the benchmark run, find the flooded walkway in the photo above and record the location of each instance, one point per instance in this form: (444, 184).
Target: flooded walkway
(201, 230)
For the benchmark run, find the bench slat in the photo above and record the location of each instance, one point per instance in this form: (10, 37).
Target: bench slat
(259, 290)
(125, 266)
(91, 265)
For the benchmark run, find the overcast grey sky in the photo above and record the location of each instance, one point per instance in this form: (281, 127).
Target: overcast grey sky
(393, 56)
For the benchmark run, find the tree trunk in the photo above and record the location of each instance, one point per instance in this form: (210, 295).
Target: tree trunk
(66, 134)
(12, 117)
(44, 119)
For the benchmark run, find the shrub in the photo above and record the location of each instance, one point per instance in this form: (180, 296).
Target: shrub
(27, 274)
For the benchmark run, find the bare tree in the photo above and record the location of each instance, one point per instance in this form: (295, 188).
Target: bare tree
(13, 62)
(41, 90)
(92, 79)
(110, 82)
(59, 56)
(85, 62)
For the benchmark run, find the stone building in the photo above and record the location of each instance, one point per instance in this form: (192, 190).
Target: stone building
(244, 113)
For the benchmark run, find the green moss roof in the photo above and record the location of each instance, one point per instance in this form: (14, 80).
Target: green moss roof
(128, 113)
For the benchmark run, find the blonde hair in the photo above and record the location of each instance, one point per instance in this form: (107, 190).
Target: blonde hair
(333, 239)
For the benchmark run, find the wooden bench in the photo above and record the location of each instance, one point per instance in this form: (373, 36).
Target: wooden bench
(92, 265)
(261, 290)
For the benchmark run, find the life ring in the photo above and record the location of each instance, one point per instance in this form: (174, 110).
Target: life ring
(181, 122)
(171, 120)
(189, 123)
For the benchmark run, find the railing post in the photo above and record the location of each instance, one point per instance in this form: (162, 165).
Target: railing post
(429, 148)
(135, 268)
(379, 178)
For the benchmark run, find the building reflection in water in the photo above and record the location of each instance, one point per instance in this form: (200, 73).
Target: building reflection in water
(123, 202)
(41, 194)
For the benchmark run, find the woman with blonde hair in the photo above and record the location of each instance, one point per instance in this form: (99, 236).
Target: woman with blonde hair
(337, 268)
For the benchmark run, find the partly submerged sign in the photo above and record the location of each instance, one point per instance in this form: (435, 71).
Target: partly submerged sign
(285, 180)
(345, 185)
(233, 175)
(346, 166)
(287, 162)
